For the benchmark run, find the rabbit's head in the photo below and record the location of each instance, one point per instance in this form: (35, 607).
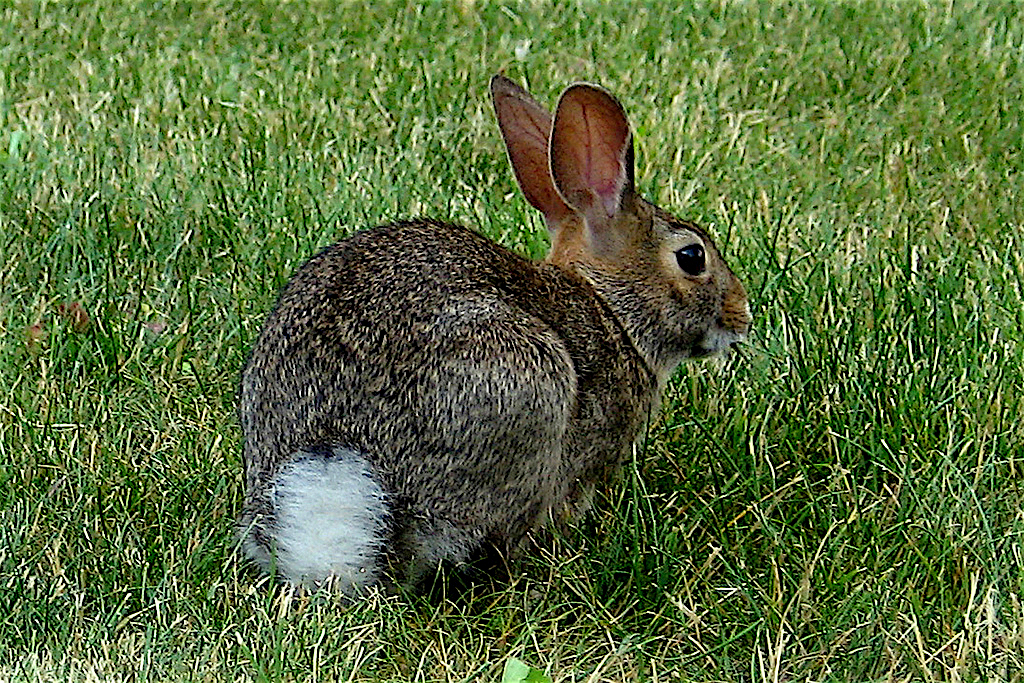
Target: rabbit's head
(663, 277)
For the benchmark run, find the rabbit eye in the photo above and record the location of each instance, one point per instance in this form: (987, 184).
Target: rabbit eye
(691, 259)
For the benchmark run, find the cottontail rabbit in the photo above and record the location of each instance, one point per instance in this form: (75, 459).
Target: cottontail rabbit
(420, 393)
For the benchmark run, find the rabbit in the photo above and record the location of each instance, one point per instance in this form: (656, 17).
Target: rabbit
(420, 395)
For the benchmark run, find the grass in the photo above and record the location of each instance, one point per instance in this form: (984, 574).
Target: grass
(841, 502)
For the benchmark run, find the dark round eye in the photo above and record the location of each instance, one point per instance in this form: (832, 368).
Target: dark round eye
(691, 259)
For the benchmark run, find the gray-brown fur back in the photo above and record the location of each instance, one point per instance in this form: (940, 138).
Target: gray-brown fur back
(472, 379)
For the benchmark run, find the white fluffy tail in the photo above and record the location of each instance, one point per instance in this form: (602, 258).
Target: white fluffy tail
(329, 522)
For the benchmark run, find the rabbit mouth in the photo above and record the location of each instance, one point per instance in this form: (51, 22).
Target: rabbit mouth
(702, 352)
(698, 352)
(716, 342)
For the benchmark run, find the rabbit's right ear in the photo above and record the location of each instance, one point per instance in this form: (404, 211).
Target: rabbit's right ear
(525, 126)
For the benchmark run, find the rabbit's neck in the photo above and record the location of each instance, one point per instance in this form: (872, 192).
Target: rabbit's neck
(632, 308)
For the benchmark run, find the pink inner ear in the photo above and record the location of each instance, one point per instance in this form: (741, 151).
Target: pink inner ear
(609, 193)
(589, 148)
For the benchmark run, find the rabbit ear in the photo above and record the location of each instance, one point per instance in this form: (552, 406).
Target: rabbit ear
(525, 126)
(591, 153)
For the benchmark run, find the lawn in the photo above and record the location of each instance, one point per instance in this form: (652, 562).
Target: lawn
(840, 501)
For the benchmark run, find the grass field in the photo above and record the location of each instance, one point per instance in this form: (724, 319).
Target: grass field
(842, 501)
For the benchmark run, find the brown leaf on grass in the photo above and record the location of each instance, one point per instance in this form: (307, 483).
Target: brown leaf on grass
(33, 337)
(74, 314)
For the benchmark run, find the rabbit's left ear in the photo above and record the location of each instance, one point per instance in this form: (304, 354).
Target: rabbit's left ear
(591, 153)
(525, 126)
